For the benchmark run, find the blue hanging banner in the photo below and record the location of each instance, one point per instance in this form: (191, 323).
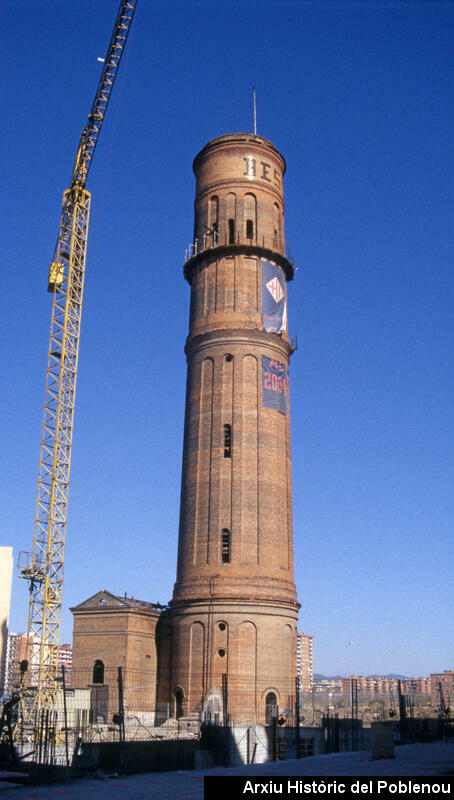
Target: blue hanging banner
(274, 384)
(274, 306)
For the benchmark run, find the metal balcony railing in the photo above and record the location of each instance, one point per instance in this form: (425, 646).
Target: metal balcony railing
(211, 240)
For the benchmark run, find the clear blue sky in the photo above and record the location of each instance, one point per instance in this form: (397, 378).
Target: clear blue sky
(359, 97)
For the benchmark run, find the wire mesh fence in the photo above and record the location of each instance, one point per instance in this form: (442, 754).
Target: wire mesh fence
(236, 719)
(153, 705)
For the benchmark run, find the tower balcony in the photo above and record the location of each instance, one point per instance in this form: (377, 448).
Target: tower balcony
(216, 246)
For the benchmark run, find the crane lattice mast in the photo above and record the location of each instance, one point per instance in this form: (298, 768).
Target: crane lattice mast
(44, 567)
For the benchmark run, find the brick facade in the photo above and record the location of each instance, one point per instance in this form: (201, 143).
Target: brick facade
(305, 661)
(446, 679)
(375, 685)
(111, 632)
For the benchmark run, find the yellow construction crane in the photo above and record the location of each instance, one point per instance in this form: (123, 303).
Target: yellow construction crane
(43, 568)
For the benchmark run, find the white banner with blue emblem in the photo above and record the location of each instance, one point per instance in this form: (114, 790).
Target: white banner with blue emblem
(274, 306)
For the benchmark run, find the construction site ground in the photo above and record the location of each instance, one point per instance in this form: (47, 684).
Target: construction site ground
(411, 760)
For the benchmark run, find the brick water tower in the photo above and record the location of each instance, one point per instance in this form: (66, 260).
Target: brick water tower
(234, 607)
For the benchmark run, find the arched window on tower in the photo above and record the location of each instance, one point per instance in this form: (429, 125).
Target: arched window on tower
(250, 215)
(230, 215)
(225, 546)
(213, 219)
(98, 672)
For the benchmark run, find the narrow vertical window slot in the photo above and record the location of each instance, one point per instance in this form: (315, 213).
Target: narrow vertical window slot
(277, 226)
(225, 546)
(227, 441)
(231, 231)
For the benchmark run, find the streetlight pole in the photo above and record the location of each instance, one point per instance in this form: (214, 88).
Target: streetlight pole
(350, 645)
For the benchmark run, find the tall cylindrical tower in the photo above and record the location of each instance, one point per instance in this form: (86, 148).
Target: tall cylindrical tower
(234, 607)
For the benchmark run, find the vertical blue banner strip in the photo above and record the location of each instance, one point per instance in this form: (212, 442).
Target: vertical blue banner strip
(274, 384)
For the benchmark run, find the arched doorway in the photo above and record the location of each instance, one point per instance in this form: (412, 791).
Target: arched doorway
(270, 707)
(178, 697)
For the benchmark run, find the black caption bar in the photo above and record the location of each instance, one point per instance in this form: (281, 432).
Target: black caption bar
(235, 787)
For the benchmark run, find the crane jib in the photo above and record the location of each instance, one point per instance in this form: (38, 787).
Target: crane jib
(43, 568)
(89, 138)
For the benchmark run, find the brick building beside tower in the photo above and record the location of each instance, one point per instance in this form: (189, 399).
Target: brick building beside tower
(234, 607)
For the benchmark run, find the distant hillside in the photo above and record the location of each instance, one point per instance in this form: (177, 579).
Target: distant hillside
(390, 676)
